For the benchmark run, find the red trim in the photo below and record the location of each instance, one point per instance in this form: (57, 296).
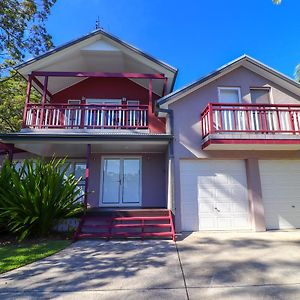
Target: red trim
(86, 188)
(40, 85)
(84, 116)
(98, 75)
(42, 112)
(249, 142)
(250, 118)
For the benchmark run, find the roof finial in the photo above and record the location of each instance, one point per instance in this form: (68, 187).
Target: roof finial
(97, 23)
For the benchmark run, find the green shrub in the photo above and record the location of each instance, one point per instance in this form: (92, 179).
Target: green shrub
(36, 196)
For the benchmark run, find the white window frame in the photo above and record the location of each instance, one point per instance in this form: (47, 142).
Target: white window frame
(74, 101)
(262, 88)
(220, 88)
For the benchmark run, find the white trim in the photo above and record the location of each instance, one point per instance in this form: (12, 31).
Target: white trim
(122, 157)
(103, 101)
(230, 88)
(74, 101)
(269, 88)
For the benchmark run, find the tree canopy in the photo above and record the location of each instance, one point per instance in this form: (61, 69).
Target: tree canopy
(22, 31)
(12, 99)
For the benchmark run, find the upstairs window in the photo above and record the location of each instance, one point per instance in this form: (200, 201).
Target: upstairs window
(260, 95)
(229, 95)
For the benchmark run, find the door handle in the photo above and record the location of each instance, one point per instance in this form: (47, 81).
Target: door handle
(217, 209)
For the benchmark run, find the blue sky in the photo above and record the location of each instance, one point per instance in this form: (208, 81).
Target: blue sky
(195, 36)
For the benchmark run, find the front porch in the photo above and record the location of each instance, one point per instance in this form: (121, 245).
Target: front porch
(118, 170)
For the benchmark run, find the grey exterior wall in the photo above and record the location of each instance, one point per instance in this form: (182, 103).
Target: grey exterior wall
(187, 129)
(153, 180)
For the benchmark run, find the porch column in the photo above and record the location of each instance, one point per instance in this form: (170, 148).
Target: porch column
(10, 153)
(86, 188)
(150, 109)
(27, 100)
(43, 101)
(255, 194)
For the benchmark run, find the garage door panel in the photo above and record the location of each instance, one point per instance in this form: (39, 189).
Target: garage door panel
(221, 195)
(280, 181)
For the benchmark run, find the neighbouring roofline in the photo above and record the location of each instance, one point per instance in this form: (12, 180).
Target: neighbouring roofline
(176, 95)
(107, 35)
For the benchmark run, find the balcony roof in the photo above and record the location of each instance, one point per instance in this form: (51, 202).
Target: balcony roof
(98, 51)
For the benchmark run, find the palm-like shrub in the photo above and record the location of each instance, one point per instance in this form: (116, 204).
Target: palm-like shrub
(36, 196)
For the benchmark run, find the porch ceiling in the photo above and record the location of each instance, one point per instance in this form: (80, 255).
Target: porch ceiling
(98, 53)
(75, 145)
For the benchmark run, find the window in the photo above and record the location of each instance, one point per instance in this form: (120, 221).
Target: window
(229, 95)
(133, 102)
(74, 102)
(78, 169)
(260, 95)
(228, 118)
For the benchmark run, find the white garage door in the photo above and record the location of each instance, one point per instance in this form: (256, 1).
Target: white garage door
(280, 181)
(214, 195)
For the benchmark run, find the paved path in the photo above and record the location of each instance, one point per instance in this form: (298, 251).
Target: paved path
(199, 266)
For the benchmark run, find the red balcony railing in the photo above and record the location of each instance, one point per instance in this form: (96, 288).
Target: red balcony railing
(86, 116)
(250, 118)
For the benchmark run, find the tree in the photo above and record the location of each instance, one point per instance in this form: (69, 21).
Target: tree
(12, 99)
(22, 31)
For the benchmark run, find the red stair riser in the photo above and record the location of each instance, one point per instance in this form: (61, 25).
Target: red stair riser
(111, 225)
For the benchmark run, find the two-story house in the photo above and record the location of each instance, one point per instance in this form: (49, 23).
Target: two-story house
(220, 154)
(97, 108)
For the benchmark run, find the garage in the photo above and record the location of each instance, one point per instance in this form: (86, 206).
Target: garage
(214, 195)
(280, 181)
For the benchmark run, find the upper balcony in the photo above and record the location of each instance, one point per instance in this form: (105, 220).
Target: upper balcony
(99, 101)
(86, 116)
(250, 127)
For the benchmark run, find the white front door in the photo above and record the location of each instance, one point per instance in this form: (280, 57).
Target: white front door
(121, 182)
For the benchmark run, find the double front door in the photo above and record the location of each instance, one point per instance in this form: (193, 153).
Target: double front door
(121, 182)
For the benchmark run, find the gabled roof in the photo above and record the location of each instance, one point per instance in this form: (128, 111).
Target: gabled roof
(245, 61)
(98, 51)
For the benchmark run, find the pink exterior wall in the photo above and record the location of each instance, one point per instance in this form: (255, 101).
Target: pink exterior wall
(110, 88)
(187, 110)
(187, 129)
(153, 180)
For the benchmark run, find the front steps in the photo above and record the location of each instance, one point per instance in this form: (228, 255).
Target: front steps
(122, 223)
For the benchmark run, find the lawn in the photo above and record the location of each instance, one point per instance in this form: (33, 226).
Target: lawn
(17, 255)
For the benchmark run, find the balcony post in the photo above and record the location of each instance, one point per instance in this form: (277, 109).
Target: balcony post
(150, 96)
(87, 172)
(27, 99)
(211, 119)
(43, 102)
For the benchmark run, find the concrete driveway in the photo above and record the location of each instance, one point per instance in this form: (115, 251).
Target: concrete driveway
(200, 266)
